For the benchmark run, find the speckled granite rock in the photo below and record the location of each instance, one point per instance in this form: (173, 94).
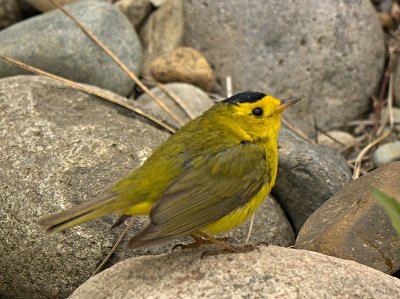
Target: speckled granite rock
(274, 272)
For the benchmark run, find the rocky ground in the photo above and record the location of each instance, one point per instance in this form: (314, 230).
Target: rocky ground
(60, 146)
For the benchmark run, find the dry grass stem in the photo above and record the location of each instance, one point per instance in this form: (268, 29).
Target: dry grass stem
(297, 131)
(173, 96)
(115, 246)
(357, 142)
(328, 135)
(250, 229)
(357, 165)
(228, 86)
(87, 89)
(117, 60)
(366, 122)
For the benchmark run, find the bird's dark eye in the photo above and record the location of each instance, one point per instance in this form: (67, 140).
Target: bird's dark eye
(257, 111)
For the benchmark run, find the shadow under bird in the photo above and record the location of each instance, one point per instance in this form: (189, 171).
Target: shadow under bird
(205, 179)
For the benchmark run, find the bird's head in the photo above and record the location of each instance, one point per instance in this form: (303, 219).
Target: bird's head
(256, 114)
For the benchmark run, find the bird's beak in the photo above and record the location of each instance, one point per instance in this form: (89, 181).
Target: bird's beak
(288, 102)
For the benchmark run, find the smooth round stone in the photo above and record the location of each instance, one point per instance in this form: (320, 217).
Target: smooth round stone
(387, 153)
(353, 225)
(184, 65)
(53, 42)
(308, 175)
(343, 137)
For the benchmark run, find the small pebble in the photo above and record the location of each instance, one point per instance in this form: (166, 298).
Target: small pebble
(184, 65)
(387, 153)
(343, 137)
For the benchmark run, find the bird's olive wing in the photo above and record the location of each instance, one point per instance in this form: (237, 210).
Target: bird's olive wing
(209, 189)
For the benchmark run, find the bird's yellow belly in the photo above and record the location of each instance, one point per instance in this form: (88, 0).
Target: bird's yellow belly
(237, 216)
(142, 208)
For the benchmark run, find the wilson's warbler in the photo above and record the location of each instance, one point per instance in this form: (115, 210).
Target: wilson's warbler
(206, 178)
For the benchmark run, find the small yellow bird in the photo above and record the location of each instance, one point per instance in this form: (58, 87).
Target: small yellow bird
(206, 178)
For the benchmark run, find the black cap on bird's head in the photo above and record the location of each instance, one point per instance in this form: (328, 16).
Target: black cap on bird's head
(252, 97)
(245, 97)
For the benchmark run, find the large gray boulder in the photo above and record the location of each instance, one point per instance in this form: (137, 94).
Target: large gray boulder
(52, 42)
(331, 53)
(272, 272)
(60, 147)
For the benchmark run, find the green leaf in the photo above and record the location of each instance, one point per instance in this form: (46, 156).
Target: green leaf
(391, 206)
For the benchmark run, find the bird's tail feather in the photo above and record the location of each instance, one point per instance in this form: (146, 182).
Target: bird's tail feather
(82, 213)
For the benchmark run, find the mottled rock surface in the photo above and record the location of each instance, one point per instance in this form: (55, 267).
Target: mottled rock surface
(135, 10)
(330, 53)
(9, 13)
(60, 147)
(352, 224)
(274, 272)
(308, 175)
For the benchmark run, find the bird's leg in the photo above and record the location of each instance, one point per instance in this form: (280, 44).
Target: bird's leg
(197, 242)
(200, 240)
(227, 248)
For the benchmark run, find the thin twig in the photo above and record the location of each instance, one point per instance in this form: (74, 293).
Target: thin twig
(298, 131)
(117, 60)
(328, 135)
(356, 141)
(115, 246)
(250, 228)
(379, 103)
(228, 86)
(316, 129)
(173, 96)
(357, 165)
(85, 88)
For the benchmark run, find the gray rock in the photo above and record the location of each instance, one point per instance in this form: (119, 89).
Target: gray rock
(353, 225)
(161, 33)
(387, 153)
(274, 272)
(270, 226)
(61, 147)
(331, 53)
(9, 13)
(46, 5)
(135, 10)
(52, 42)
(196, 100)
(308, 175)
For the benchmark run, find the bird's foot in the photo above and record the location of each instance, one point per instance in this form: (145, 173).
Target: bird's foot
(201, 241)
(234, 249)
